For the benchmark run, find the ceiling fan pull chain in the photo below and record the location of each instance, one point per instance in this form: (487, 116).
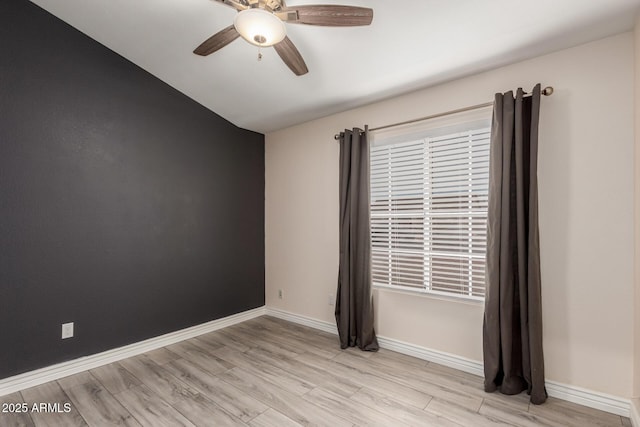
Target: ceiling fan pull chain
(259, 54)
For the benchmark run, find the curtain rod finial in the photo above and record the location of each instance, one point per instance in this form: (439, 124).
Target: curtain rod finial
(547, 91)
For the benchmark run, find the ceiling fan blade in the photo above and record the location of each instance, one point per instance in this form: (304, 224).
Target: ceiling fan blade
(217, 41)
(236, 4)
(290, 55)
(330, 15)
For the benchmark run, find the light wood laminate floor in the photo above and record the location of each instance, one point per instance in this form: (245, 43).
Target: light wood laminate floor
(271, 373)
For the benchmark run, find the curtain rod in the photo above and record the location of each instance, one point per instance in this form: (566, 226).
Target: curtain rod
(547, 91)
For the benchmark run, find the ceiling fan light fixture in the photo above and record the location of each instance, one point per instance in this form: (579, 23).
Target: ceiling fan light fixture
(259, 27)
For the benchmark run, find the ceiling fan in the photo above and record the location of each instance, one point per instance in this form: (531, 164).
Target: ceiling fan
(261, 23)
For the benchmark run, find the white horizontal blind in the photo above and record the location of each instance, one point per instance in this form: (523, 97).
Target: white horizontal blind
(429, 210)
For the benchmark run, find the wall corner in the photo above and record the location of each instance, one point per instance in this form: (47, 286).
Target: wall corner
(636, 308)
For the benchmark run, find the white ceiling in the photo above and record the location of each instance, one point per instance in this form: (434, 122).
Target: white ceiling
(411, 44)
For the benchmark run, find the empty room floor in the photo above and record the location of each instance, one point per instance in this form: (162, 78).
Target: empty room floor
(270, 372)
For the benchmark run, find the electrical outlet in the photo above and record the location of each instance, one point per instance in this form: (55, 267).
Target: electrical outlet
(67, 330)
(332, 299)
(279, 293)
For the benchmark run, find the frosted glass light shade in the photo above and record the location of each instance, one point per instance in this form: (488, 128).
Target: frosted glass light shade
(260, 27)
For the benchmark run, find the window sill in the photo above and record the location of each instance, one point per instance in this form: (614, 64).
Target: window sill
(475, 301)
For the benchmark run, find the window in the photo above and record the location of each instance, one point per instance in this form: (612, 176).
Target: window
(429, 196)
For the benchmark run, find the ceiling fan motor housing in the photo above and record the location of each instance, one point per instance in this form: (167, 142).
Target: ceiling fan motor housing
(260, 27)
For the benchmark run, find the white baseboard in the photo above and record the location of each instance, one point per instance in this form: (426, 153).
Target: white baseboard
(635, 412)
(436, 356)
(590, 398)
(303, 320)
(50, 373)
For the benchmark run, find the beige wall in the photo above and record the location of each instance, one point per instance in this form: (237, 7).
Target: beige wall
(636, 388)
(586, 215)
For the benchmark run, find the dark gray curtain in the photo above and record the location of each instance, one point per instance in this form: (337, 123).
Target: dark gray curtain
(354, 308)
(512, 330)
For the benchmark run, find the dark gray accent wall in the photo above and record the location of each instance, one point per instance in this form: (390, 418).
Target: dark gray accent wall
(125, 206)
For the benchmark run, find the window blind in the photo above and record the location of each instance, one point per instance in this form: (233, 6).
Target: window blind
(429, 200)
